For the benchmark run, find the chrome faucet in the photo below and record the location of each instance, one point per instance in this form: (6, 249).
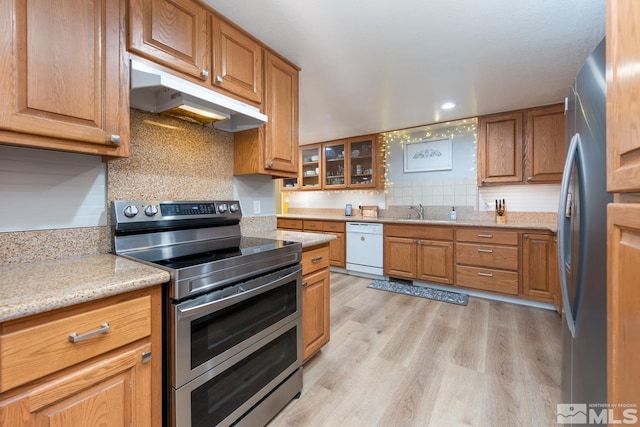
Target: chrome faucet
(418, 209)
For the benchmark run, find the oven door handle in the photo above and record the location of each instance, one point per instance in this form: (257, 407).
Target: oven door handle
(243, 291)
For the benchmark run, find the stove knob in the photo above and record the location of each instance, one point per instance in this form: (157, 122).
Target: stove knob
(234, 208)
(150, 210)
(130, 211)
(222, 208)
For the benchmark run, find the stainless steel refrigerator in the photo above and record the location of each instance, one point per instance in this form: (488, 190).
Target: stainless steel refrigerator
(582, 237)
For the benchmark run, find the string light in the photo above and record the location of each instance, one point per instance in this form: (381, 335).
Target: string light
(420, 133)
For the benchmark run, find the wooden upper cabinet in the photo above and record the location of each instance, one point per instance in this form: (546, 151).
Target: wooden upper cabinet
(500, 148)
(272, 149)
(623, 92)
(281, 106)
(173, 33)
(524, 146)
(63, 76)
(237, 61)
(544, 158)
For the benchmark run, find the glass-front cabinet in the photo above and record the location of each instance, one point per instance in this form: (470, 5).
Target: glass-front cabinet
(310, 159)
(335, 164)
(362, 168)
(350, 163)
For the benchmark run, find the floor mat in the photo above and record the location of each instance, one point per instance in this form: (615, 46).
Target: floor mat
(420, 291)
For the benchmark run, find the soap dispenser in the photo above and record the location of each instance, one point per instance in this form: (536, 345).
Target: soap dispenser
(454, 215)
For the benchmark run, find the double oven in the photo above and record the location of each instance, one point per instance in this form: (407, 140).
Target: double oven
(232, 311)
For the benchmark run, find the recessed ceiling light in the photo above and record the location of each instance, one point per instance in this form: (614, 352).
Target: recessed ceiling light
(448, 105)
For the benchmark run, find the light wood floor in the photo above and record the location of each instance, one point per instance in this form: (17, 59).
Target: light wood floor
(397, 360)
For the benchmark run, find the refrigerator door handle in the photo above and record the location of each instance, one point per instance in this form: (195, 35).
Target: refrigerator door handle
(563, 222)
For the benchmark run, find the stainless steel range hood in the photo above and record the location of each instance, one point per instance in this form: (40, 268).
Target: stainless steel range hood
(156, 91)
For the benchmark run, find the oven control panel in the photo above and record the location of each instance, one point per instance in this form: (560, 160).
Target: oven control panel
(126, 211)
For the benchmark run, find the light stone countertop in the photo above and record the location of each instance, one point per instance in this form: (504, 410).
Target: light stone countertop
(33, 288)
(307, 239)
(460, 222)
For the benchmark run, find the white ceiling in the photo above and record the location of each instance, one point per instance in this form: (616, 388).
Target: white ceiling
(370, 66)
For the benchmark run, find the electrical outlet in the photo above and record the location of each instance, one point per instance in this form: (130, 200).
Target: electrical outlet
(256, 206)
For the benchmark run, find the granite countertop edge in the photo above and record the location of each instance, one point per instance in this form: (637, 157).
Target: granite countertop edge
(307, 238)
(460, 222)
(33, 288)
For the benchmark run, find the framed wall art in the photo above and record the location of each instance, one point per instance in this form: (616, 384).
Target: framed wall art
(427, 155)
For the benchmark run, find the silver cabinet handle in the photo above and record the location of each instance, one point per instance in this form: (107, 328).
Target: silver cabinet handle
(305, 284)
(315, 259)
(486, 251)
(270, 165)
(115, 139)
(487, 236)
(104, 328)
(204, 73)
(485, 274)
(146, 357)
(219, 79)
(529, 178)
(526, 236)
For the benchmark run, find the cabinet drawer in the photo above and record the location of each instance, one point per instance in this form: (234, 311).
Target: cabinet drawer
(487, 235)
(45, 348)
(314, 259)
(292, 224)
(487, 255)
(419, 232)
(487, 279)
(336, 227)
(312, 225)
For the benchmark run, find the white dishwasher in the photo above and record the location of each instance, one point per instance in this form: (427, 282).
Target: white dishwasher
(364, 247)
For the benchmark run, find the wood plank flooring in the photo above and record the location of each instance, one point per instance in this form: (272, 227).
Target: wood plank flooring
(397, 360)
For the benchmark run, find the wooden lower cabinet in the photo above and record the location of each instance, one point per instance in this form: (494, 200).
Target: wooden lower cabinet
(338, 250)
(315, 299)
(487, 259)
(539, 267)
(623, 309)
(416, 252)
(338, 247)
(114, 392)
(112, 378)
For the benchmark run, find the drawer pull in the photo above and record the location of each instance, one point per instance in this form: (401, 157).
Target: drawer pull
(486, 251)
(104, 328)
(305, 284)
(316, 259)
(487, 236)
(146, 357)
(485, 274)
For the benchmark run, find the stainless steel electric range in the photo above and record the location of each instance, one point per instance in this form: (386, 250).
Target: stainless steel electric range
(232, 310)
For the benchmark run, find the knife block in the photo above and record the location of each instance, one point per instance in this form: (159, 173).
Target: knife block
(501, 219)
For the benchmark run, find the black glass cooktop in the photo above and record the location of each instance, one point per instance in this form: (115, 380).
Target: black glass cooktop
(237, 248)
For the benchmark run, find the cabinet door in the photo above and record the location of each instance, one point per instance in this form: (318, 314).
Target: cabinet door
(623, 293)
(315, 312)
(310, 170)
(337, 250)
(237, 61)
(544, 160)
(435, 261)
(335, 164)
(63, 75)
(500, 149)
(537, 267)
(173, 33)
(623, 92)
(115, 391)
(362, 165)
(281, 106)
(400, 257)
